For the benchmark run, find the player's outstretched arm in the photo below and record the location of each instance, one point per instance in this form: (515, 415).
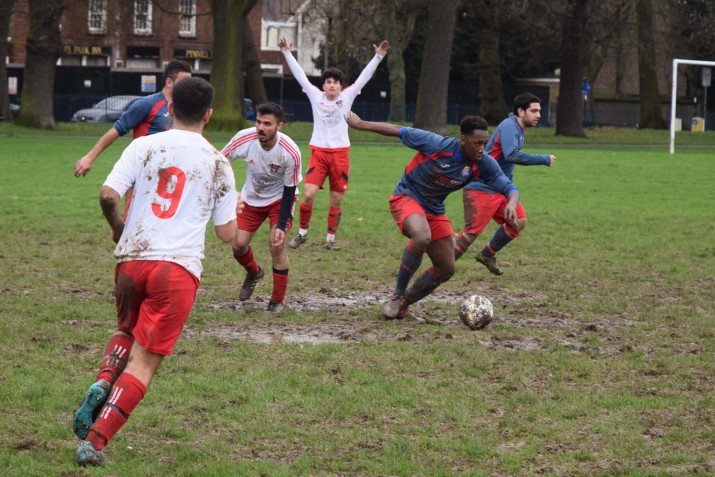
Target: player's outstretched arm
(84, 165)
(386, 129)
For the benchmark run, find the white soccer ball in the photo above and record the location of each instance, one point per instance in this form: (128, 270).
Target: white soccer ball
(476, 312)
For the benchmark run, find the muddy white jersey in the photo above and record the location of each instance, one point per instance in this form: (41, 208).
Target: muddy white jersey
(180, 182)
(330, 130)
(267, 172)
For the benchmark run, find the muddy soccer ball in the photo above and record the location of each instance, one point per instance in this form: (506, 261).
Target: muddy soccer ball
(476, 312)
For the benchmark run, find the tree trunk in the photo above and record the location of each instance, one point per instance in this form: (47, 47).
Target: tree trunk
(5, 13)
(651, 113)
(432, 96)
(227, 66)
(399, 31)
(252, 68)
(43, 48)
(492, 108)
(569, 119)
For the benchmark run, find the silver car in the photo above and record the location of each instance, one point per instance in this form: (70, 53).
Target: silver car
(106, 111)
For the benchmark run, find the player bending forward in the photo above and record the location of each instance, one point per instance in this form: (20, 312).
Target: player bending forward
(272, 176)
(180, 182)
(442, 165)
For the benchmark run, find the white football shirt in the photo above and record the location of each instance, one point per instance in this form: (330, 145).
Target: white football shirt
(180, 182)
(330, 130)
(266, 171)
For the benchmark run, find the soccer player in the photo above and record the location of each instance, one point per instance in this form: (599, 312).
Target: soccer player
(145, 116)
(272, 176)
(181, 183)
(442, 165)
(329, 143)
(483, 203)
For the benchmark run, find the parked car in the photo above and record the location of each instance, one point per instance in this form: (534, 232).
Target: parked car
(106, 111)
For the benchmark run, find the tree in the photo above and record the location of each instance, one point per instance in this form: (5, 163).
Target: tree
(569, 120)
(431, 108)
(491, 94)
(252, 68)
(5, 14)
(229, 22)
(43, 49)
(651, 115)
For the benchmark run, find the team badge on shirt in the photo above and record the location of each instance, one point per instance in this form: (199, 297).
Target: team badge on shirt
(466, 171)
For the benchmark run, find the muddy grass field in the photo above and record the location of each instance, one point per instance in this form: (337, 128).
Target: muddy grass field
(599, 360)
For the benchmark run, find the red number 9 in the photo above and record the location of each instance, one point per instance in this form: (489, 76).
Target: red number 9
(170, 187)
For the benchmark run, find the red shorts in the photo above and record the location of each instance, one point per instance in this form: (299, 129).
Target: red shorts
(251, 218)
(481, 207)
(154, 299)
(332, 163)
(402, 206)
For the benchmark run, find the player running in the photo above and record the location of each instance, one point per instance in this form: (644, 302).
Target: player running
(442, 165)
(181, 183)
(272, 176)
(482, 203)
(330, 143)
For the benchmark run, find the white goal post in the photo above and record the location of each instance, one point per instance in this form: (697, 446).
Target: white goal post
(676, 62)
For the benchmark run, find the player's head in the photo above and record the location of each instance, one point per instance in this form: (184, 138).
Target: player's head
(175, 71)
(269, 120)
(332, 82)
(191, 101)
(474, 137)
(527, 109)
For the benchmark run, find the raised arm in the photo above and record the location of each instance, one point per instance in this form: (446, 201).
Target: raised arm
(386, 129)
(295, 68)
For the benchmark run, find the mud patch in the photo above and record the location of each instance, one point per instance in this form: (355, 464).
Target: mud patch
(357, 317)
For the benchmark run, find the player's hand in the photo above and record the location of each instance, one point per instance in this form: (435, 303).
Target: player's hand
(510, 216)
(278, 236)
(382, 48)
(83, 166)
(117, 232)
(239, 203)
(352, 119)
(284, 45)
(552, 159)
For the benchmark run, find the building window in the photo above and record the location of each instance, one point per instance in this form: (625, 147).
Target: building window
(142, 17)
(97, 16)
(187, 20)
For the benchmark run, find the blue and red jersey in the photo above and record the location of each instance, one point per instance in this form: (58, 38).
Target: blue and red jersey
(148, 115)
(505, 146)
(439, 169)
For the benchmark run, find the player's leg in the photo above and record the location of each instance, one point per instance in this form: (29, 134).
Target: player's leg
(280, 261)
(501, 238)
(248, 222)
(479, 208)
(314, 179)
(441, 253)
(412, 222)
(170, 291)
(339, 174)
(129, 294)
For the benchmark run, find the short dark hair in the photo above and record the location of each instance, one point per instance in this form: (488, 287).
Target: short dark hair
(192, 97)
(469, 124)
(271, 108)
(523, 100)
(173, 68)
(333, 73)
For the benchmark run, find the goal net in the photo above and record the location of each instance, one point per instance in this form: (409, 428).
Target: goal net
(677, 62)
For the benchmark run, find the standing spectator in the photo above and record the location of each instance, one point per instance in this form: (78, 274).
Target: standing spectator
(483, 203)
(442, 165)
(272, 176)
(330, 144)
(181, 183)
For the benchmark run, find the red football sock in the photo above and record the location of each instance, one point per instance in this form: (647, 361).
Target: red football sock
(280, 285)
(126, 394)
(115, 357)
(334, 215)
(306, 212)
(248, 262)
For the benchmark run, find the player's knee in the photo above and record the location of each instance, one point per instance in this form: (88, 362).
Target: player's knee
(444, 272)
(421, 240)
(521, 224)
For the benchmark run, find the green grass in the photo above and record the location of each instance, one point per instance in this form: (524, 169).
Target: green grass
(599, 361)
